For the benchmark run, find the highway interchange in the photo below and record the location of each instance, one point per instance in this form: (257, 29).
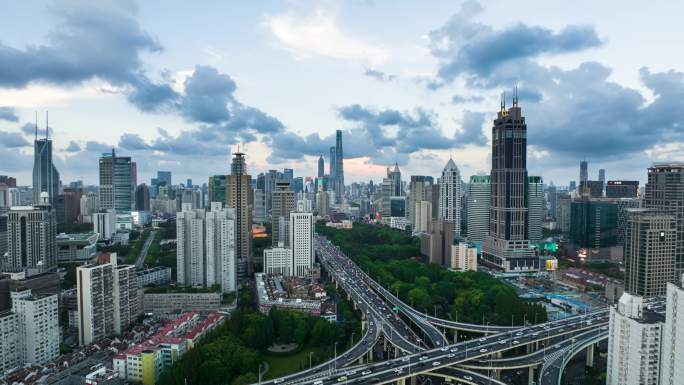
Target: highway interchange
(434, 356)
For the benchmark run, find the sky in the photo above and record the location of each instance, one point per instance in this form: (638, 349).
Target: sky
(180, 85)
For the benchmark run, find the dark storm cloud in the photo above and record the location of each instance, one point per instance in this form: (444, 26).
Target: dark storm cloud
(464, 46)
(207, 93)
(92, 40)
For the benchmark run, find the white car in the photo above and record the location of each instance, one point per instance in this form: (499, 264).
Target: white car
(436, 363)
(422, 358)
(483, 350)
(366, 372)
(516, 342)
(454, 350)
(444, 349)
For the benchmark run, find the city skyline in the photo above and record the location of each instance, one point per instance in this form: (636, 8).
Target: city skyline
(173, 101)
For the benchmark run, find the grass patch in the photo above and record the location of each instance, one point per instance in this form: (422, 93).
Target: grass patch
(281, 365)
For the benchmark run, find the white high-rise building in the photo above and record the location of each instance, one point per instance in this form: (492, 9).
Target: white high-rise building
(479, 193)
(104, 224)
(31, 232)
(9, 342)
(672, 356)
(108, 300)
(190, 247)
(277, 260)
(450, 195)
(634, 340)
(301, 242)
(422, 214)
(206, 247)
(463, 257)
(220, 247)
(37, 326)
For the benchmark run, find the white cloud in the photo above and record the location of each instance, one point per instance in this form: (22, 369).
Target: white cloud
(319, 35)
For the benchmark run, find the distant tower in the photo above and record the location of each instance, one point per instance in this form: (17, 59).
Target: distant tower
(45, 174)
(339, 167)
(321, 166)
(584, 171)
(450, 194)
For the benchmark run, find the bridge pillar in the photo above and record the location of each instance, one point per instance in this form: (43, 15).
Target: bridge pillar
(530, 375)
(401, 381)
(414, 380)
(455, 336)
(590, 356)
(349, 299)
(363, 326)
(396, 352)
(370, 355)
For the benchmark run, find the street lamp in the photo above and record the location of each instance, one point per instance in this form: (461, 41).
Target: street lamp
(352, 339)
(259, 374)
(310, 353)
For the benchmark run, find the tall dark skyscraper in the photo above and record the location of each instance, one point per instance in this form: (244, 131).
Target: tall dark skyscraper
(507, 246)
(665, 192)
(45, 174)
(321, 166)
(238, 196)
(339, 167)
(584, 171)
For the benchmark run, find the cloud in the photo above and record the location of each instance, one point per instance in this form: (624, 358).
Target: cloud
(460, 99)
(319, 35)
(464, 46)
(92, 40)
(384, 136)
(73, 147)
(471, 132)
(12, 140)
(379, 75)
(9, 114)
(97, 147)
(207, 93)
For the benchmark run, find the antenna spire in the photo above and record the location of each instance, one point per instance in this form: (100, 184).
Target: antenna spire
(503, 101)
(36, 125)
(515, 96)
(47, 129)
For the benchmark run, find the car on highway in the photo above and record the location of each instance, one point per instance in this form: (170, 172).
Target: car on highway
(366, 372)
(343, 378)
(454, 350)
(467, 378)
(278, 381)
(515, 342)
(483, 350)
(422, 358)
(436, 363)
(444, 349)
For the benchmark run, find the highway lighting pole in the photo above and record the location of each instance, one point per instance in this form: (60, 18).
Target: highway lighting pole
(310, 353)
(352, 339)
(259, 374)
(335, 361)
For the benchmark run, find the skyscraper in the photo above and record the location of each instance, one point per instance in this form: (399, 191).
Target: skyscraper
(108, 300)
(238, 197)
(142, 198)
(45, 174)
(395, 177)
(116, 190)
(584, 171)
(31, 232)
(535, 207)
(321, 166)
(479, 192)
(164, 177)
(665, 191)
(602, 176)
(507, 246)
(450, 196)
(650, 242)
(339, 167)
(420, 189)
(38, 326)
(301, 241)
(283, 205)
(633, 343)
(672, 357)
